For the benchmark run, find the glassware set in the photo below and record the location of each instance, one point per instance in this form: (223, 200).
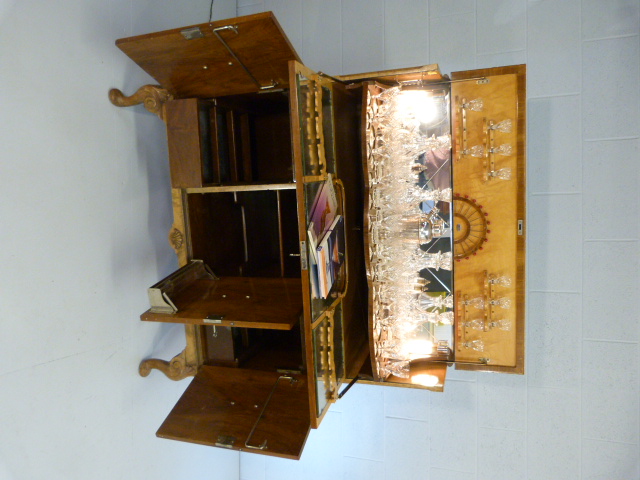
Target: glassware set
(487, 304)
(406, 220)
(505, 150)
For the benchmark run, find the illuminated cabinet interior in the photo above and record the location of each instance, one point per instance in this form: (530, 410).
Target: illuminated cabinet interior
(366, 227)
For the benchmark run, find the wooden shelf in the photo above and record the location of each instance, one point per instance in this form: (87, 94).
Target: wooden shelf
(237, 302)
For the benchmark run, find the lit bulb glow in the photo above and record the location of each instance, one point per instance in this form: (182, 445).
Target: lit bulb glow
(425, 380)
(416, 348)
(418, 104)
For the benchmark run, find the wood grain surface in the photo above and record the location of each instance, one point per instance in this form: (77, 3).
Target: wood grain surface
(504, 203)
(272, 303)
(228, 401)
(204, 68)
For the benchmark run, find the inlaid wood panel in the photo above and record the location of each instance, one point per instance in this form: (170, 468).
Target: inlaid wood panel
(202, 66)
(501, 203)
(222, 405)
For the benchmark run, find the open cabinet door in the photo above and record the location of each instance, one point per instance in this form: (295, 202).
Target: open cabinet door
(258, 411)
(496, 181)
(325, 138)
(239, 55)
(314, 160)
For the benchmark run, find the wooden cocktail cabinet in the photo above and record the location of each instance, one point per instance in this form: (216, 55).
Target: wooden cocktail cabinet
(362, 227)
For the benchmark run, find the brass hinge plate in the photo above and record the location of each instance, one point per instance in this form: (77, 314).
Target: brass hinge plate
(225, 441)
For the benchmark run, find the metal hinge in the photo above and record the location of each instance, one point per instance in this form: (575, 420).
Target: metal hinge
(213, 319)
(225, 441)
(192, 33)
(303, 255)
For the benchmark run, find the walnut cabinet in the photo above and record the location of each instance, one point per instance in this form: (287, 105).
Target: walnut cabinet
(429, 177)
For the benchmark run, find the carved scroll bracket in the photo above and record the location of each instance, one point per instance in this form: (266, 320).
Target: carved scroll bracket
(153, 98)
(176, 369)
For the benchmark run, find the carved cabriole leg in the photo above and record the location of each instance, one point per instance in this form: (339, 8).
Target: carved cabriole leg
(177, 369)
(152, 96)
(183, 365)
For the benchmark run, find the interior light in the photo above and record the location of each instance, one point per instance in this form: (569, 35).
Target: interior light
(425, 380)
(417, 348)
(418, 104)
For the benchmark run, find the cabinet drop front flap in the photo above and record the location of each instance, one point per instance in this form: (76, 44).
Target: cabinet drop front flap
(367, 226)
(243, 410)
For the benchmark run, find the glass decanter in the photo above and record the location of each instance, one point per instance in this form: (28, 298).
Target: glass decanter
(477, 345)
(426, 301)
(477, 324)
(503, 281)
(502, 174)
(504, 325)
(439, 260)
(475, 105)
(436, 318)
(445, 318)
(475, 151)
(505, 126)
(505, 150)
(501, 302)
(416, 195)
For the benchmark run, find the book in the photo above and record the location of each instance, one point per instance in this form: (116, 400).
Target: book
(313, 242)
(312, 245)
(324, 208)
(330, 256)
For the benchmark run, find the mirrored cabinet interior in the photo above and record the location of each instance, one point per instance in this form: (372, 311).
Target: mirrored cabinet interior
(329, 229)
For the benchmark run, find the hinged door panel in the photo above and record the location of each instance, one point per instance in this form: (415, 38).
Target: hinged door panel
(194, 295)
(258, 411)
(234, 56)
(488, 138)
(312, 122)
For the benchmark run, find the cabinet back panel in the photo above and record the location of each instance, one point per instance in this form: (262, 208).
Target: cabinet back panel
(272, 350)
(215, 225)
(253, 348)
(262, 233)
(271, 147)
(245, 233)
(261, 143)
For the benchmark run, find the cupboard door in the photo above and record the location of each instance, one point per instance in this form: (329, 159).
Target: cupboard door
(489, 112)
(256, 411)
(312, 133)
(226, 57)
